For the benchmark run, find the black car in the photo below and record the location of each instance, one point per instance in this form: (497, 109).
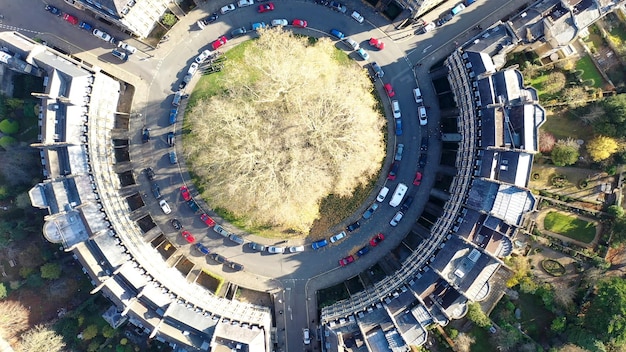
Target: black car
(170, 139)
(53, 10)
(424, 145)
(363, 251)
(235, 266)
(145, 137)
(156, 190)
(149, 173)
(176, 224)
(210, 19)
(354, 226)
(406, 204)
(422, 161)
(218, 258)
(193, 205)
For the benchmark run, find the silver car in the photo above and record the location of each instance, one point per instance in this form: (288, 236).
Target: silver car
(102, 35)
(275, 250)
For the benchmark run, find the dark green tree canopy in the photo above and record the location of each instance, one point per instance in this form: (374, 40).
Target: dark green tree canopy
(613, 122)
(606, 317)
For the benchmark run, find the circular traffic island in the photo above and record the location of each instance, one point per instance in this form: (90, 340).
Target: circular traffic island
(287, 122)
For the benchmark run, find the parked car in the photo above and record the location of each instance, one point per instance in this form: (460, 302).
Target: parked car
(53, 10)
(377, 43)
(275, 249)
(300, 23)
(357, 17)
(258, 25)
(102, 35)
(295, 249)
(149, 173)
(406, 204)
(207, 20)
(256, 246)
(429, 27)
(398, 127)
(396, 219)
(363, 54)
(176, 224)
(279, 22)
(238, 32)
(220, 230)
(207, 220)
(393, 171)
(382, 194)
(201, 248)
(244, 3)
(377, 239)
(306, 336)
(203, 56)
(170, 139)
(399, 151)
(173, 114)
(389, 90)
(218, 258)
(173, 158)
(370, 211)
(219, 42)
(70, 19)
(395, 107)
(129, 48)
(235, 238)
(165, 207)
(228, 8)
(337, 6)
(337, 34)
(424, 145)
(266, 7)
(319, 244)
(86, 26)
(338, 237)
(352, 43)
(193, 68)
(120, 55)
(363, 251)
(193, 205)
(418, 179)
(347, 260)
(378, 71)
(422, 115)
(145, 136)
(188, 236)
(156, 190)
(235, 266)
(417, 95)
(354, 226)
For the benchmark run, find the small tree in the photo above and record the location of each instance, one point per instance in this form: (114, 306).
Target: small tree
(50, 271)
(546, 141)
(477, 316)
(602, 147)
(464, 342)
(3, 291)
(565, 152)
(616, 211)
(554, 83)
(575, 97)
(90, 332)
(108, 331)
(169, 19)
(558, 324)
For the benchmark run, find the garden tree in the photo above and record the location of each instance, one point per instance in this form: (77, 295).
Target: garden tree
(616, 210)
(574, 97)
(41, 338)
(592, 275)
(280, 138)
(108, 331)
(554, 83)
(602, 147)
(13, 319)
(606, 316)
(618, 231)
(530, 71)
(3, 291)
(546, 141)
(566, 64)
(595, 112)
(169, 19)
(564, 293)
(613, 123)
(565, 152)
(558, 324)
(477, 316)
(50, 271)
(507, 338)
(521, 269)
(464, 342)
(90, 332)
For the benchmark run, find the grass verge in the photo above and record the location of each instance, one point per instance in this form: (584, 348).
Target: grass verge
(570, 226)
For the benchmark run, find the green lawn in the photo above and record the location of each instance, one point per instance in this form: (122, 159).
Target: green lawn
(481, 340)
(564, 125)
(590, 72)
(570, 226)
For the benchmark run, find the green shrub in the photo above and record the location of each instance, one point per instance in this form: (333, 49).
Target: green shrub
(7, 141)
(9, 126)
(90, 332)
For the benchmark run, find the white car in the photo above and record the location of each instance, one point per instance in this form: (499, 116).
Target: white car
(131, 49)
(396, 219)
(395, 106)
(203, 56)
(222, 231)
(357, 17)
(244, 3)
(423, 118)
(192, 68)
(102, 35)
(295, 249)
(352, 43)
(279, 22)
(228, 8)
(429, 27)
(275, 250)
(306, 336)
(383, 193)
(338, 237)
(165, 207)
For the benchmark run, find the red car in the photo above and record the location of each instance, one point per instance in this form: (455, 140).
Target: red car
(188, 236)
(300, 23)
(393, 172)
(71, 19)
(378, 44)
(266, 7)
(347, 260)
(219, 42)
(207, 220)
(377, 239)
(184, 191)
(418, 179)
(389, 90)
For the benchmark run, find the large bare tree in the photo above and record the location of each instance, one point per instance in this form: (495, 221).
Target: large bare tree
(41, 338)
(13, 319)
(292, 125)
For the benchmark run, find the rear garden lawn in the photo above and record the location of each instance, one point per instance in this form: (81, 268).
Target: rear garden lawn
(589, 72)
(570, 226)
(564, 125)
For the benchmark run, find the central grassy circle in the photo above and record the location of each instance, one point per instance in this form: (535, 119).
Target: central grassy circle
(285, 123)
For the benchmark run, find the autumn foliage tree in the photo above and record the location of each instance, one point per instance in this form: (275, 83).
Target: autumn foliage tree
(290, 126)
(602, 147)
(13, 320)
(546, 141)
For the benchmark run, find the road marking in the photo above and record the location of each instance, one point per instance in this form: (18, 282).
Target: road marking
(13, 28)
(426, 48)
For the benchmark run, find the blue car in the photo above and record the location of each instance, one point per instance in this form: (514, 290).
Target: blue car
(86, 26)
(201, 248)
(319, 244)
(173, 158)
(173, 114)
(258, 25)
(398, 127)
(363, 251)
(53, 10)
(336, 33)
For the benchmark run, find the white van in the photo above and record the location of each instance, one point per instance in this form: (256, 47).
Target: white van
(398, 195)
(417, 94)
(395, 106)
(382, 194)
